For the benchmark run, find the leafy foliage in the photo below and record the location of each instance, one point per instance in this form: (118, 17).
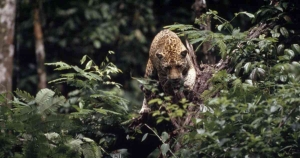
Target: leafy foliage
(256, 113)
(253, 109)
(37, 126)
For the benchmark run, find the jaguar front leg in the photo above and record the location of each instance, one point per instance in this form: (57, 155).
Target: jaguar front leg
(149, 74)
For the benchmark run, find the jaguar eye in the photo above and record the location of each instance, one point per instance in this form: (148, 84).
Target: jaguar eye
(159, 56)
(183, 53)
(168, 67)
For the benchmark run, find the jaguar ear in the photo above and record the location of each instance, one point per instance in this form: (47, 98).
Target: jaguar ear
(159, 56)
(183, 53)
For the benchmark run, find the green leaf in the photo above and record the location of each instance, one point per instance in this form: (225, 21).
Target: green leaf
(44, 95)
(222, 46)
(238, 67)
(284, 58)
(280, 48)
(97, 44)
(83, 59)
(60, 65)
(296, 48)
(279, 8)
(283, 78)
(16, 101)
(247, 67)
(164, 136)
(235, 31)
(89, 140)
(196, 40)
(164, 149)
(257, 122)
(105, 112)
(156, 100)
(274, 108)
(248, 14)
(26, 97)
(284, 32)
(89, 64)
(144, 137)
(91, 150)
(287, 18)
(253, 74)
(51, 105)
(289, 53)
(220, 27)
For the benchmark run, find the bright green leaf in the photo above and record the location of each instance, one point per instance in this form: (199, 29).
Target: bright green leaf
(164, 149)
(165, 136)
(144, 137)
(284, 32)
(89, 64)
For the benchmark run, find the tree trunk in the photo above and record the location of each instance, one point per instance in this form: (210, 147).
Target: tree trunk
(200, 7)
(39, 45)
(7, 24)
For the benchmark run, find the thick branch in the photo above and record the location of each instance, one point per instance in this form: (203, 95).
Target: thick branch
(7, 24)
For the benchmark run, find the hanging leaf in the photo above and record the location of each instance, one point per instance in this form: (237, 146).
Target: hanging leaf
(261, 72)
(220, 27)
(89, 64)
(247, 67)
(83, 59)
(287, 18)
(280, 48)
(246, 13)
(144, 137)
(60, 65)
(284, 32)
(253, 75)
(164, 149)
(97, 44)
(290, 53)
(165, 136)
(296, 48)
(238, 67)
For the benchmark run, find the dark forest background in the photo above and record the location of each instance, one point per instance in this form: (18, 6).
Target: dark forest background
(74, 28)
(69, 99)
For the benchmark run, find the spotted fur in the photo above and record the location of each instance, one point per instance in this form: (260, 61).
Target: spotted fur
(170, 61)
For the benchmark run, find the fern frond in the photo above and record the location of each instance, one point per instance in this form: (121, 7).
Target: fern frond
(17, 102)
(24, 96)
(105, 112)
(51, 105)
(43, 95)
(23, 113)
(59, 80)
(95, 77)
(61, 65)
(68, 75)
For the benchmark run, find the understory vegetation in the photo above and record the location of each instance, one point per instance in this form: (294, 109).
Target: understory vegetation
(251, 109)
